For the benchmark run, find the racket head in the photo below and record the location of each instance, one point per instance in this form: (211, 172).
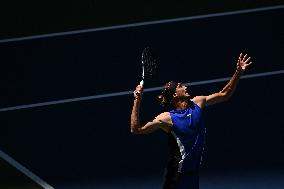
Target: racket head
(149, 63)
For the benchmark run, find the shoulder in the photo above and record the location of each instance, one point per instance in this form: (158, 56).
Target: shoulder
(163, 116)
(165, 121)
(199, 100)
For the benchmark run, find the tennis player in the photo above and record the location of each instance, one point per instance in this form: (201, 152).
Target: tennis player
(184, 125)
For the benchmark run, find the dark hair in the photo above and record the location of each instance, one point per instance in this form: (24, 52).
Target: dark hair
(166, 96)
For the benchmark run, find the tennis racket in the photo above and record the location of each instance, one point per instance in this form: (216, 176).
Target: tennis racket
(149, 65)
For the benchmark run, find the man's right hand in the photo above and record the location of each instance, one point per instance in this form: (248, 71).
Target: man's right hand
(138, 92)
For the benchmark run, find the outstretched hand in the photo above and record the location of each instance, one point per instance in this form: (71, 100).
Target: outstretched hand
(243, 62)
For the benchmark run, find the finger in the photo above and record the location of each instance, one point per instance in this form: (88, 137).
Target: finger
(247, 60)
(240, 57)
(245, 67)
(249, 63)
(245, 57)
(139, 89)
(138, 93)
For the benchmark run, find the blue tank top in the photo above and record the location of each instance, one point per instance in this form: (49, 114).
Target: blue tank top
(189, 132)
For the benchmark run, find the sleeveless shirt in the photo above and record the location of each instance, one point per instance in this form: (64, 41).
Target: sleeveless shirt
(188, 134)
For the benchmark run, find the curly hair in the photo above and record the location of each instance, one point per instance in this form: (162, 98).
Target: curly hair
(166, 96)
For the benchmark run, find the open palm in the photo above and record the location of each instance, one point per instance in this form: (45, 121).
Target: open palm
(243, 62)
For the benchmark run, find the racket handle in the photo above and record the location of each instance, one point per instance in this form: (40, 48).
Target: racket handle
(141, 84)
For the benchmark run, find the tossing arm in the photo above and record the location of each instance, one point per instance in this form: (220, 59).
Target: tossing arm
(230, 87)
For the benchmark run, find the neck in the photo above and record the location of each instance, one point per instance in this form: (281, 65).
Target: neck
(180, 105)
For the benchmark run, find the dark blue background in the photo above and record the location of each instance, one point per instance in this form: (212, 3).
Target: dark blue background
(90, 140)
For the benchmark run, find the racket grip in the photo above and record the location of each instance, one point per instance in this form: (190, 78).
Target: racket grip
(141, 84)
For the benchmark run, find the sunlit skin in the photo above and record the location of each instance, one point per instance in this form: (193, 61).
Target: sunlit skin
(181, 98)
(182, 171)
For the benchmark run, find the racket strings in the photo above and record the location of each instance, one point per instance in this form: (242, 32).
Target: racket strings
(150, 62)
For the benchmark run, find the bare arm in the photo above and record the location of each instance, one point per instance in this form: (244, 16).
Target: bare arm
(161, 121)
(229, 88)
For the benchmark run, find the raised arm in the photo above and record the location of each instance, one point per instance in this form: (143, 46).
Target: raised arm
(162, 121)
(229, 89)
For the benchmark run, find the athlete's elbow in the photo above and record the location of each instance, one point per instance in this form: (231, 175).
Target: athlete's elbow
(138, 131)
(227, 96)
(224, 96)
(134, 129)
(135, 132)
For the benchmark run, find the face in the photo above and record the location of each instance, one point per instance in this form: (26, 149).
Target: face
(181, 91)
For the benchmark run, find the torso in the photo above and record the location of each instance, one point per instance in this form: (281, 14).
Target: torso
(166, 118)
(189, 131)
(186, 136)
